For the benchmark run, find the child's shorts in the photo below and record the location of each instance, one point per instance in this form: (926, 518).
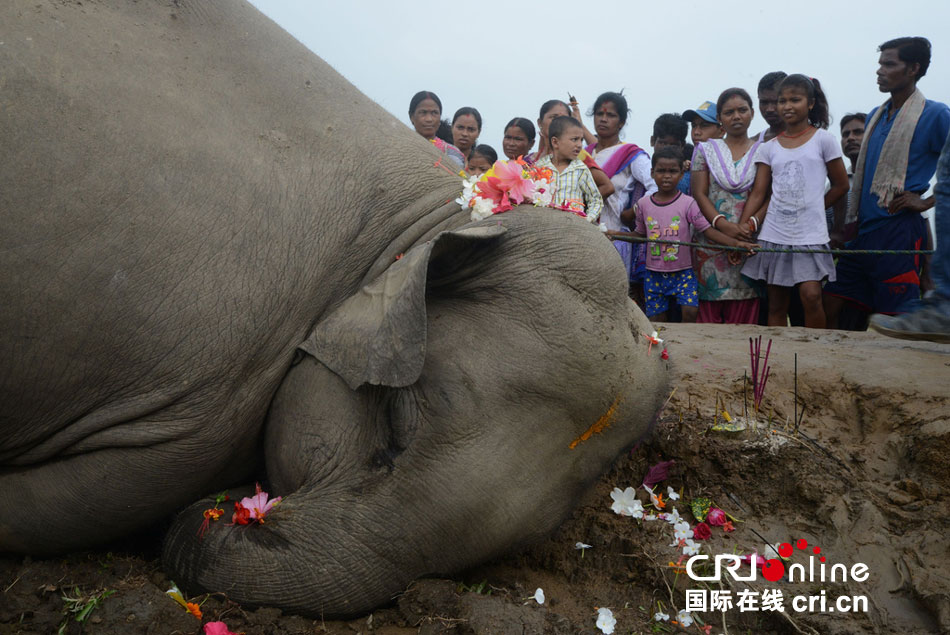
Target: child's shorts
(657, 285)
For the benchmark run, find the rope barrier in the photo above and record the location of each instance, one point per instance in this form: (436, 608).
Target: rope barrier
(834, 252)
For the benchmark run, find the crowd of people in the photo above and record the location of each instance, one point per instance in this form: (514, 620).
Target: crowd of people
(781, 197)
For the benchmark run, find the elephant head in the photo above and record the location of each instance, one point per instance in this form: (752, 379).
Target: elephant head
(456, 406)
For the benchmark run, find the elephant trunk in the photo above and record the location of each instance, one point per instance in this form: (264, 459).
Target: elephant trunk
(291, 559)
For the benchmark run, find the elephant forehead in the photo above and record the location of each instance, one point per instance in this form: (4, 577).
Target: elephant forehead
(545, 247)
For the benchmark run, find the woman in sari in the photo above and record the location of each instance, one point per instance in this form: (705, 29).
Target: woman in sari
(628, 168)
(425, 113)
(723, 171)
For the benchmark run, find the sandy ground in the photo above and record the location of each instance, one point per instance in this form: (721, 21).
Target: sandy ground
(865, 477)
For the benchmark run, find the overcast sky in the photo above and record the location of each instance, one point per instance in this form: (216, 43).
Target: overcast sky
(506, 59)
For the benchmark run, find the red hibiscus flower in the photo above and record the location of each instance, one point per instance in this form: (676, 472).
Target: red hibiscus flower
(701, 531)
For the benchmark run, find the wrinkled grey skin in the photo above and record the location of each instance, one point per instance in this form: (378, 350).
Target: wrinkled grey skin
(201, 222)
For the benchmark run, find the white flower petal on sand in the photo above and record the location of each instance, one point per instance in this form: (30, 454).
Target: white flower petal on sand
(682, 531)
(685, 619)
(691, 548)
(673, 517)
(771, 551)
(539, 595)
(626, 503)
(661, 617)
(581, 545)
(671, 494)
(606, 621)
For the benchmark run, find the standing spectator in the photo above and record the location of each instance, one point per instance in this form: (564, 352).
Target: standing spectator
(519, 138)
(573, 186)
(425, 113)
(902, 143)
(481, 159)
(768, 104)
(704, 124)
(466, 126)
(850, 317)
(723, 173)
(551, 110)
(669, 131)
(932, 321)
(626, 164)
(794, 165)
(669, 214)
(852, 134)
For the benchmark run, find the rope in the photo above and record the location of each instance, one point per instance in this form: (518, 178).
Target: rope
(835, 252)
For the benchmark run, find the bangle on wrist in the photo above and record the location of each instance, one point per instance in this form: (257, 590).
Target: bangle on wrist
(755, 223)
(716, 219)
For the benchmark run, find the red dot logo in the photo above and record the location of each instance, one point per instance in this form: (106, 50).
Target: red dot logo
(817, 549)
(802, 544)
(785, 550)
(773, 570)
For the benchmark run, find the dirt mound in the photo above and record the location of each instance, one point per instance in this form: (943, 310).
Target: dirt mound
(863, 477)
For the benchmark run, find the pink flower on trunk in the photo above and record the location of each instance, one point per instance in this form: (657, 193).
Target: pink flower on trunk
(259, 504)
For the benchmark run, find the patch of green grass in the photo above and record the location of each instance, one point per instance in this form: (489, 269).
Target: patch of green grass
(482, 588)
(79, 607)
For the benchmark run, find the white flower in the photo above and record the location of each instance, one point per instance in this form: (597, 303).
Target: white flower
(626, 503)
(671, 494)
(673, 517)
(468, 191)
(606, 621)
(681, 531)
(603, 227)
(539, 596)
(482, 208)
(545, 198)
(655, 338)
(661, 617)
(691, 548)
(653, 498)
(771, 551)
(652, 517)
(684, 618)
(580, 545)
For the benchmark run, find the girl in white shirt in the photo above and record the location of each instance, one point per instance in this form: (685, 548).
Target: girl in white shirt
(794, 166)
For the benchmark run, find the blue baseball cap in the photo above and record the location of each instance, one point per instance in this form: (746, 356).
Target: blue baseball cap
(705, 111)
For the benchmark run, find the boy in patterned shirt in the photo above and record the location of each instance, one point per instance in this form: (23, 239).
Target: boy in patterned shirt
(574, 187)
(671, 215)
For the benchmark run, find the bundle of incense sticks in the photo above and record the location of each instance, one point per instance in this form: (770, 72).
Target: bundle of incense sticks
(760, 369)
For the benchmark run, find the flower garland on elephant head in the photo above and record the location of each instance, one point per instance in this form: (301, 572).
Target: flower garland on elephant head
(510, 183)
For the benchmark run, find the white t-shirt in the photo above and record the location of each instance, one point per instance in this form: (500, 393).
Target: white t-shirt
(796, 214)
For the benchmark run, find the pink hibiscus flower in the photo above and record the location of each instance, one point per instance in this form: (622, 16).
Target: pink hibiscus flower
(259, 504)
(510, 178)
(218, 628)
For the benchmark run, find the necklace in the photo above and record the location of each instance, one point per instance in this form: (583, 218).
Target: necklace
(797, 134)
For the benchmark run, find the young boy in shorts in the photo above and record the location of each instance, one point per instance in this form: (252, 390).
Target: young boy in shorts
(574, 187)
(671, 215)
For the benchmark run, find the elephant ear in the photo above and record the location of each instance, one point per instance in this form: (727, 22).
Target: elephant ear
(378, 335)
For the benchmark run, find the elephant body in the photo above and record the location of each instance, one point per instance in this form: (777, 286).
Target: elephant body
(203, 238)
